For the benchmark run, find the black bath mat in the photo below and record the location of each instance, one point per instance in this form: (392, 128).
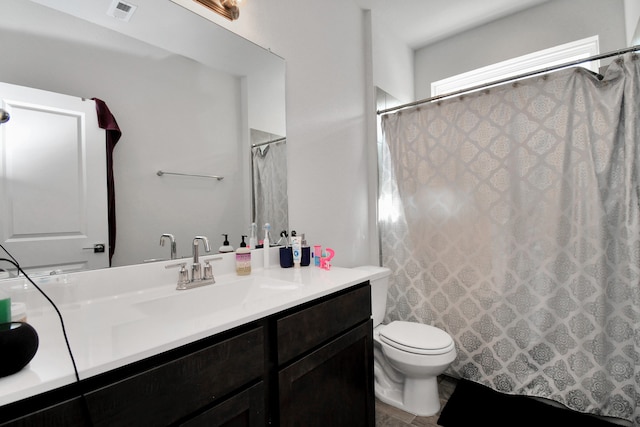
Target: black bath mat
(472, 404)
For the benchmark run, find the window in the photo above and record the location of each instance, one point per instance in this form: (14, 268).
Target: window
(565, 53)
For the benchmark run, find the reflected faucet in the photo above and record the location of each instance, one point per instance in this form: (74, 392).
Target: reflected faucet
(172, 239)
(196, 272)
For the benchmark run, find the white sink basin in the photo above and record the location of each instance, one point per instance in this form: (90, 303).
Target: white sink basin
(209, 299)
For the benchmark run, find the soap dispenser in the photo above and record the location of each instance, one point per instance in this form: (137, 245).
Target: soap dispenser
(243, 259)
(226, 247)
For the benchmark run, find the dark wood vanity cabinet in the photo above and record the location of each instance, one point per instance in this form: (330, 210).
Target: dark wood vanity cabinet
(309, 366)
(217, 375)
(325, 355)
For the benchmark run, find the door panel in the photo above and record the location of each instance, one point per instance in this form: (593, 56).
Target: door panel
(53, 189)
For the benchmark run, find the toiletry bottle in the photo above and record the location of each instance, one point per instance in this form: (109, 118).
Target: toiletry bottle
(5, 308)
(305, 259)
(265, 244)
(253, 236)
(243, 259)
(317, 254)
(226, 247)
(297, 249)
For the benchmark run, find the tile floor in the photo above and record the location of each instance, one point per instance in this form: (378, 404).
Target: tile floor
(389, 416)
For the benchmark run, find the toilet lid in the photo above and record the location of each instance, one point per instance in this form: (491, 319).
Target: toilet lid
(416, 338)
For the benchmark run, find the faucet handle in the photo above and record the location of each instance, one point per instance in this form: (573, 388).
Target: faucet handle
(208, 271)
(183, 274)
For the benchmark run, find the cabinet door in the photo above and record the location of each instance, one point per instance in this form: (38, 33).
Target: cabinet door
(243, 410)
(333, 386)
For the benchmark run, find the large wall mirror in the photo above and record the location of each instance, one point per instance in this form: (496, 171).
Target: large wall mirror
(189, 97)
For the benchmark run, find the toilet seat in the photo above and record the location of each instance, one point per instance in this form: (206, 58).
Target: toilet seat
(416, 338)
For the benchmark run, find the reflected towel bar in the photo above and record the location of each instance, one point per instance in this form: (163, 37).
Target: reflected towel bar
(219, 178)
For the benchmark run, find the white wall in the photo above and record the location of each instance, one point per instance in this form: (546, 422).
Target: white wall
(393, 64)
(174, 113)
(323, 45)
(632, 21)
(552, 23)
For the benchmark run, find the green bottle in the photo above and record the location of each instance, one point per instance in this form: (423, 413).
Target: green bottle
(5, 308)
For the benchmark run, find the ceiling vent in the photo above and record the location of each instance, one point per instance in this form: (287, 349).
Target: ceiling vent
(121, 10)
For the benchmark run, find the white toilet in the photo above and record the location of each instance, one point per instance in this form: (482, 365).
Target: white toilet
(408, 356)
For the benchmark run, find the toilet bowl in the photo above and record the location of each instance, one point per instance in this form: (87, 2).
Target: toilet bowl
(408, 356)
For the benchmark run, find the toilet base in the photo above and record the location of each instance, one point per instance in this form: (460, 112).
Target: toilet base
(417, 396)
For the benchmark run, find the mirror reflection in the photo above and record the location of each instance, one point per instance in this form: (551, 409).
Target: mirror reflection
(269, 172)
(184, 105)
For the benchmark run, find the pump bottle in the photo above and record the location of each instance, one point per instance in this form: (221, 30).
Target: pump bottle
(226, 247)
(243, 259)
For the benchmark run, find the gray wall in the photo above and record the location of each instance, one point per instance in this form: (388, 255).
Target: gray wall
(541, 27)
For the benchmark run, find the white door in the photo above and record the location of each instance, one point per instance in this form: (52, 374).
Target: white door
(53, 188)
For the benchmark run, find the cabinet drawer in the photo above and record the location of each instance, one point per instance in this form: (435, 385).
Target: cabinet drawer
(167, 393)
(68, 413)
(305, 329)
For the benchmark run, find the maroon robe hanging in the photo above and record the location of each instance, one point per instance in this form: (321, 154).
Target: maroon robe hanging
(107, 122)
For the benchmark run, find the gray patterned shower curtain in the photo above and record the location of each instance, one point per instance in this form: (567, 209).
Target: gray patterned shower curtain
(270, 202)
(510, 219)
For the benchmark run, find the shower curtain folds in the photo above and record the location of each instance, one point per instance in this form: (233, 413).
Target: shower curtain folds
(270, 202)
(510, 219)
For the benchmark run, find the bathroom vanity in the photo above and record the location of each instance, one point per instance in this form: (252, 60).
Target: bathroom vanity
(302, 355)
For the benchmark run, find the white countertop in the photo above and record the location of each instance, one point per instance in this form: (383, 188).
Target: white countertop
(121, 315)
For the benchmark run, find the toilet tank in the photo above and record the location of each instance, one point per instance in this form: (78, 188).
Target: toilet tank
(379, 279)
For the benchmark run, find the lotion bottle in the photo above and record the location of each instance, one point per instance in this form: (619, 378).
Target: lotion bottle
(243, 259)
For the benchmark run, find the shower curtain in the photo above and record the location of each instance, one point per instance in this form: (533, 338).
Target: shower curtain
(270, 203)
(510, 219)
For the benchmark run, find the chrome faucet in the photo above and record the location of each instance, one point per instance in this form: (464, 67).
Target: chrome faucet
(172, 239)
(197, 277)
(196, 271)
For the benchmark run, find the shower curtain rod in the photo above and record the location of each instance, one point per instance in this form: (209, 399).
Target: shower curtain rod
(508, 79)
(269, 142)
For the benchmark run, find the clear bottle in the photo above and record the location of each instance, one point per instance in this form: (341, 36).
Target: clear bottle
(253, 236)
(266, 244)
